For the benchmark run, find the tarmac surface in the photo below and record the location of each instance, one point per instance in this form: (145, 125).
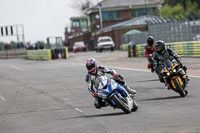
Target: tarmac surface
(52, 97)
(120, 59)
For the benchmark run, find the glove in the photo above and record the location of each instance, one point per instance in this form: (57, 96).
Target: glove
(95, 95)
(150, 59)
(149, 66)
(180, 64)
(115, 75)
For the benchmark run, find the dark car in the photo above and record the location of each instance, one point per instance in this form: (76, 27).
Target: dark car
(79, 46)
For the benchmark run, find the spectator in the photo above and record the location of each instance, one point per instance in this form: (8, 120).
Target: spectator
(91, 47)
(19, 45)
(66, 43)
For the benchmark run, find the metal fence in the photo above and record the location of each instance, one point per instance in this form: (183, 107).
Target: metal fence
(133, 39)
(173, 30)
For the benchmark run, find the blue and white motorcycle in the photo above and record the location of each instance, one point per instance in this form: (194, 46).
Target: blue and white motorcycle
(116, 95)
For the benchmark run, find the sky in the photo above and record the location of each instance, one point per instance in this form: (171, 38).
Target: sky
(40, 18)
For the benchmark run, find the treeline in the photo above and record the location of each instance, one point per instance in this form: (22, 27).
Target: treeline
(182, 8)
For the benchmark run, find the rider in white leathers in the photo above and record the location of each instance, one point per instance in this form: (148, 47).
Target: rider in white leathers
(93, 78)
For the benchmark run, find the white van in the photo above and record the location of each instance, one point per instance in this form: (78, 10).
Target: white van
(105, 42)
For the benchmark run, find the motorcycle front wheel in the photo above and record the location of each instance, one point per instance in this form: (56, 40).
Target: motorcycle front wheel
(121, 104)
(179, 89)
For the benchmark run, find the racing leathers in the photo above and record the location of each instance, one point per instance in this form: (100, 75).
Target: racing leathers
(160, 58)
(149, 50)
(93, 83)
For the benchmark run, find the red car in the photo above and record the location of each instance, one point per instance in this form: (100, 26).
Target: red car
(79, 46)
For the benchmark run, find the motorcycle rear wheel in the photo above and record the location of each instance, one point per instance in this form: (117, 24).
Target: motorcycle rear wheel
(121, 104)
(135, 106)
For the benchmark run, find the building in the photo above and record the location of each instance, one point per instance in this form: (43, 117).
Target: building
(79, 24)
(115, 11)
(118, 17)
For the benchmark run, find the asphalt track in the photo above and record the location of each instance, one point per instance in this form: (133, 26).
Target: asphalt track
(52, 97)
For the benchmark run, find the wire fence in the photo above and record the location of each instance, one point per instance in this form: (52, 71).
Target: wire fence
(133, 39)
(168, 30)
(174, 30)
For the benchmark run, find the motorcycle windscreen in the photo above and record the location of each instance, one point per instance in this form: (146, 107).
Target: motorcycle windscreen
(168, 64)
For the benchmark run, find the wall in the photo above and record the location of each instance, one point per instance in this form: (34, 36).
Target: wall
(13, 53)
(115, 34)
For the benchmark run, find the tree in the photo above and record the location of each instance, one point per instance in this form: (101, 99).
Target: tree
(41, 44)
(180, 7)
(168, 11)
(2, 45)
(13, 44)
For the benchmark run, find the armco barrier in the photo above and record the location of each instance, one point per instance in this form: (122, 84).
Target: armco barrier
(13, 53)
(183, 49)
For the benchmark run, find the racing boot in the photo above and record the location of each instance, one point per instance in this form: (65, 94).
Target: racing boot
(97, 104)
(187, 78)
(131, 91)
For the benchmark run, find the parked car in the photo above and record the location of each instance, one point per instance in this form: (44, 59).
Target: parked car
(105, 42)
(79, 46)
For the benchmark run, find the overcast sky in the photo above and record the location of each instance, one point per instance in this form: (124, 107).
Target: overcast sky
(40, 18)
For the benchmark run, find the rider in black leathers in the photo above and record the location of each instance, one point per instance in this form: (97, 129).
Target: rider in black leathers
(161, 54)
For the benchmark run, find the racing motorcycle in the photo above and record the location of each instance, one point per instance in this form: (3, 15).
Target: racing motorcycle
(171, 75)
(115, 96)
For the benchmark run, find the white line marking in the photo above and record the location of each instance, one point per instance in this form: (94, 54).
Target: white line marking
(65, 99)
(16, 67)
(139, 70)
(194, 76)
(78, 110)
(1, 97)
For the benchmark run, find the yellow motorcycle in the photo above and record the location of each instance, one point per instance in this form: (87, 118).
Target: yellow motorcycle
(174, 77)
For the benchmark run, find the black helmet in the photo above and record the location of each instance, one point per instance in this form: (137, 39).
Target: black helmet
(150, 40)
(159, 46)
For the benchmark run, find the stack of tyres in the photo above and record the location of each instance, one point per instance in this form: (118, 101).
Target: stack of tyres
(138, 50)
(178, 48)
(122, 46)
(29, 54)
(41, 54)
(170, 45)
(49, 54)
(53, 55)
(190, 49)
(142, 50)
(187, 50)
(36, 54)
(196, 49)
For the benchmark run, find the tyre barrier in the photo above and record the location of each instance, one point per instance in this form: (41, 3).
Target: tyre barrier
(183, 49)
(47, 54)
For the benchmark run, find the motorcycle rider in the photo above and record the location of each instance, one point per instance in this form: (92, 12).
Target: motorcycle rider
(161, 54)
(149, 49)
(91, 78)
